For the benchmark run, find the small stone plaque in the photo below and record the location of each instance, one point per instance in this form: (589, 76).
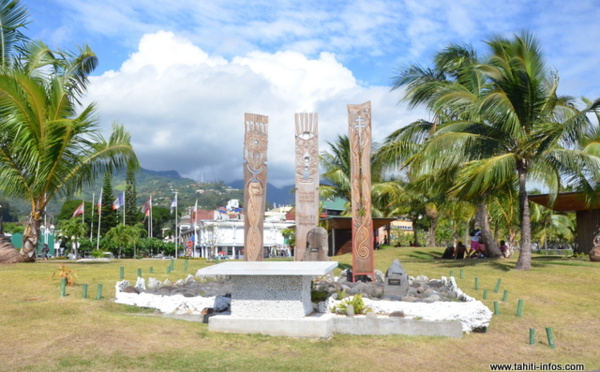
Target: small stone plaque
(394, 281)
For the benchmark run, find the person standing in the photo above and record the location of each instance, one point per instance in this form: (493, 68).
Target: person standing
(475, 236)
(45, 251)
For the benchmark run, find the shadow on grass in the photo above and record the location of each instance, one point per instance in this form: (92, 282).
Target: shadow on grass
(424, 255)
(495, 263)
(543, 261)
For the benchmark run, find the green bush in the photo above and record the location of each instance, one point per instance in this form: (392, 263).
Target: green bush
(355, 301)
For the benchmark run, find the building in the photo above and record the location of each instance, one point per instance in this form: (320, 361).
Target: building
(221, 232)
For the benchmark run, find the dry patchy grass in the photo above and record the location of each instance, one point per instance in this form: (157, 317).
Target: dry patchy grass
(42, 331)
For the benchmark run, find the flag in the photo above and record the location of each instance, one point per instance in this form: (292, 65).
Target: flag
(119, 202)
(174, 203)
(100, 202)
(195, 213)
(79, 210)
(147, 206)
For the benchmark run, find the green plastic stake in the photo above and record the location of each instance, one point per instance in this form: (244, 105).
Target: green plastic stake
(151, 270)
(139, 273)
(485, 294)
(531, 336)
(550, 337)
(84, 293)
(122, 271)
(172, 265)
(519, 307)
(496, 308)
(63, 287)
(476, 283)
(185, 265)
(451, 272)
(99, 296)
(168, 269)
(462, 273)
(498, 285)
(505, 297)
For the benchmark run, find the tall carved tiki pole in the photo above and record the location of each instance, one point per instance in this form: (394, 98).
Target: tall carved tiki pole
(255, 184)
(359, 123)
(307, 178)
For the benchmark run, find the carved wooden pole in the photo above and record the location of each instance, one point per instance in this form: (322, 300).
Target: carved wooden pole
(359, 123)
(307, 178)
(255, 184)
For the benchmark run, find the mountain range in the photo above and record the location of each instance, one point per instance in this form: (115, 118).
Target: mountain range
(162, 185)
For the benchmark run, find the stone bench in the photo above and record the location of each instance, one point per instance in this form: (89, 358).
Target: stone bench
(270, 290)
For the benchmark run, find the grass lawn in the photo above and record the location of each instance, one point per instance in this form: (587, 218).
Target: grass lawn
(41, 331)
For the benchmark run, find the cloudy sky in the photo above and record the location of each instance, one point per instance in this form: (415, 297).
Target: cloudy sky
(180, 74)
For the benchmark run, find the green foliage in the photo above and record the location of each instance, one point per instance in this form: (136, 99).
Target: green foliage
(355, 301)
(13, 228)
(97, 253)
(318, 296)
(108, 218)
(290, 236)
(132, 212)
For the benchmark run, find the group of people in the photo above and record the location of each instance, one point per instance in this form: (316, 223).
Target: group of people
(476, 250)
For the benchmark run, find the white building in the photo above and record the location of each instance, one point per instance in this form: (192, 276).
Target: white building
(217, 233)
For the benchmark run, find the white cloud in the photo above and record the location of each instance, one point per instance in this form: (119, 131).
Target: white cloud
(185, 109)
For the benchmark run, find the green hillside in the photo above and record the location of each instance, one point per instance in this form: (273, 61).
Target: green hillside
(160, 184)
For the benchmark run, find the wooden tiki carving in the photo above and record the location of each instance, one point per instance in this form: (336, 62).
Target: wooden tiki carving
(359, 123)
(307, 178)
(255, 184)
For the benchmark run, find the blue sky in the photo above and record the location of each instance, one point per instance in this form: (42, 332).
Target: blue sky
(180, 74)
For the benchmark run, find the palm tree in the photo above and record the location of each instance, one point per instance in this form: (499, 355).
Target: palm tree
(336, 169)
(74, 228)
(520, 129)
(48, 146)
(125, 236)
(547, 225)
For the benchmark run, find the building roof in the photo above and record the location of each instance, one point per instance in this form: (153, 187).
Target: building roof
(338, 204)
(566, 202)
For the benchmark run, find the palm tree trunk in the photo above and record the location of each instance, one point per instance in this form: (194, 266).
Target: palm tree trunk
(484, 223)
(31, 238)
(415, 235)
(524, 261)
(431, 233)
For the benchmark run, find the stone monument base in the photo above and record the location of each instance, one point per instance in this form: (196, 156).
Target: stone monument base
(326, 325)
(314, 326)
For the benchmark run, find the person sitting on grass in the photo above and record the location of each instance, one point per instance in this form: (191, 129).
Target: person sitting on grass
(448, 253)
(460, 251)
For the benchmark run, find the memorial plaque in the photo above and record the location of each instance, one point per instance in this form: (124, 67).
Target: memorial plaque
(396, 281)
(307, 179)
(359, 123)
(255, 184)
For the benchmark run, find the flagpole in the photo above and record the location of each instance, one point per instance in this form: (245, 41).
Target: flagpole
(195, 227)
(92, 224)
(83, 214)
(123, 208)
(99, 220)
(151, 226)
(175, 201)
